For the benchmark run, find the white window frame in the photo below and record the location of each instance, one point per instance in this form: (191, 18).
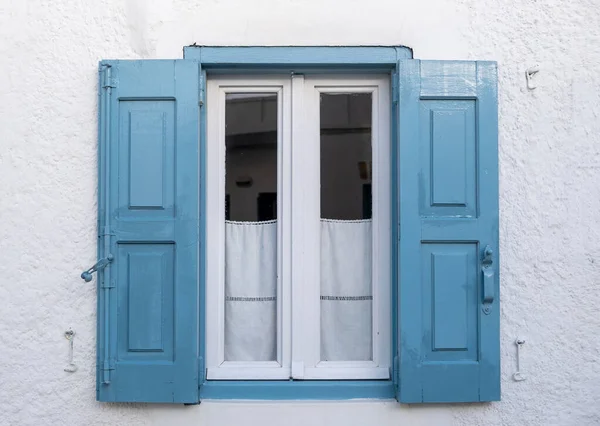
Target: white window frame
(298, 263)
(217, 367)
(309, 220)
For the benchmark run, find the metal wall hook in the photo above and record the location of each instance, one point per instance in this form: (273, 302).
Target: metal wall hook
(519, 376)
(87, 274)
(71, 367)
(529, 74)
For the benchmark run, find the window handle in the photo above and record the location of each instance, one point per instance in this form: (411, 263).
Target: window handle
(487, 269)
(101, 264)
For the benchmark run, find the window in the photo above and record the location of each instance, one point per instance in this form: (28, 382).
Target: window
(299, 273)
(328, 214)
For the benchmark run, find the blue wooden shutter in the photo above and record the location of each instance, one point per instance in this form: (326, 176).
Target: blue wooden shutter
(448, 250)
(148, 315)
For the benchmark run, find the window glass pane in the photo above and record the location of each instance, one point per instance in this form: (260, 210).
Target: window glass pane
(346, 235)
(251, 227)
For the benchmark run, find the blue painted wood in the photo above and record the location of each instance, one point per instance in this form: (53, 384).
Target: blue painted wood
(394, 215)
(148, 322)
(201, 256)
(285, 56)
(146, 288)
(448, 132)
(448, 205)
(286, 390)
(448, 79)
(103, 247)
(148, 133)
(147, 157)
(449, 274)
(487, 120)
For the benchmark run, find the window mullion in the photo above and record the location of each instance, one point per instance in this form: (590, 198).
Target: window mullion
(284, 188)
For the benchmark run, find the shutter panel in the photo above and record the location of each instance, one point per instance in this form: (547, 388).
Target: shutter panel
(448, 250)
(148, 315)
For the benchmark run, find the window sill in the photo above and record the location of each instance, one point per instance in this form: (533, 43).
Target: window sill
(294, 390)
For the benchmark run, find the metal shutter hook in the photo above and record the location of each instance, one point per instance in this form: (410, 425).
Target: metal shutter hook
(101, 264)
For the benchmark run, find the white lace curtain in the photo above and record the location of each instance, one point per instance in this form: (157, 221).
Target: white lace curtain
(251, 290)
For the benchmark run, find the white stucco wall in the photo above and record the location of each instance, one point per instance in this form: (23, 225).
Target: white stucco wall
(549, 192)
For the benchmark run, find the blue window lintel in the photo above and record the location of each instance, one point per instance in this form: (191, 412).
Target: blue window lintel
(304, 56)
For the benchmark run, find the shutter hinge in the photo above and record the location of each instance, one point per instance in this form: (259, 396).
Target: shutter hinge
(111, 284)
(107, 80)
(105, 230)
(107, 366)
(395, 94)
(395, 370)
(201, 84)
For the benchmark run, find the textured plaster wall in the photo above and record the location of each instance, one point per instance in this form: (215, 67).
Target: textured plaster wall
(549, 190)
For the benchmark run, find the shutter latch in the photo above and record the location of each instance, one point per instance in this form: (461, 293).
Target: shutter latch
(101, 264)
(488, 279)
